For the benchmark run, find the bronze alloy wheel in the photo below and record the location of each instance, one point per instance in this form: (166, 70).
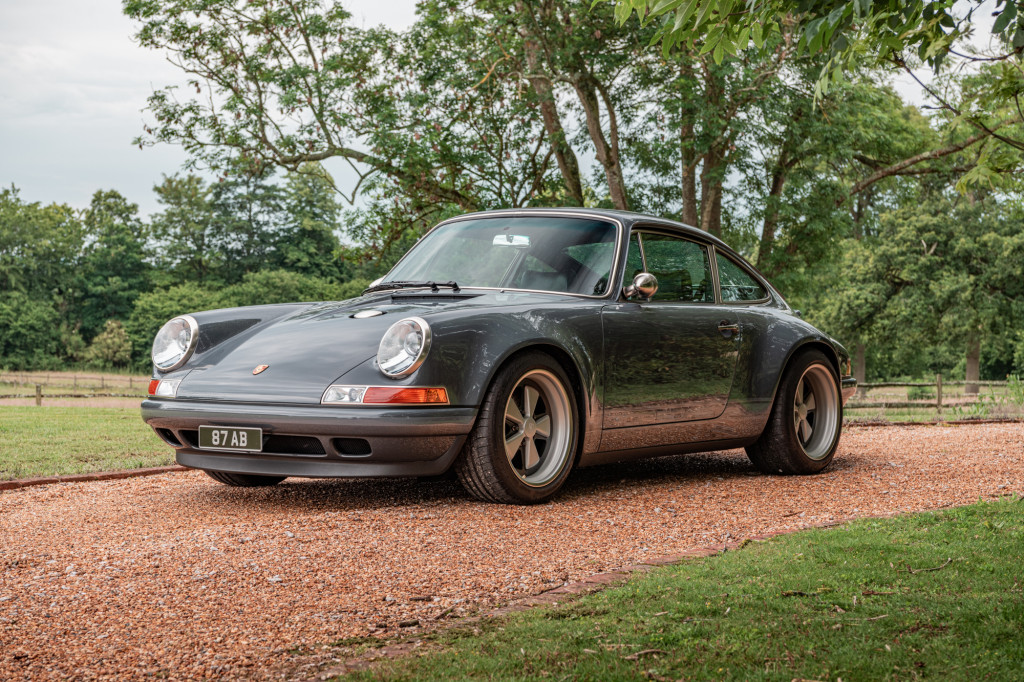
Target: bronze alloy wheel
(538, 428)
(803, 430)
(815, 417)
(523, 444)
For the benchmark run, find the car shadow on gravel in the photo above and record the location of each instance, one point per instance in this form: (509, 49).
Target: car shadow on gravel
(332, 495)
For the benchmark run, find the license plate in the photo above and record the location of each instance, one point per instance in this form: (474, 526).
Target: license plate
(230, 438)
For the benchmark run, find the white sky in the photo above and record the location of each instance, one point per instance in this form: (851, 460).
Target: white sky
(73, 86)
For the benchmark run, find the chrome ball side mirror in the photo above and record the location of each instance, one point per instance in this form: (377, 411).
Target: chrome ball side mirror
(644, 285)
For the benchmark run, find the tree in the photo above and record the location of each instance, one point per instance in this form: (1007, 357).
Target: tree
(941, 284)
(308, 242)
(29, 332)
(846, 34)
(185, 248)
(247, 212)
(111, 347)
(113, 267)
(39, 247)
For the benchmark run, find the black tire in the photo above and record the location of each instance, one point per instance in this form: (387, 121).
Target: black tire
(493, 465)
(244, 480)
(799, 439)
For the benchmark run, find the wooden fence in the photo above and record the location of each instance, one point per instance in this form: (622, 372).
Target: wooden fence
(858, 401)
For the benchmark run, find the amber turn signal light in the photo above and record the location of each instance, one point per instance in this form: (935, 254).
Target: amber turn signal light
(388, 394)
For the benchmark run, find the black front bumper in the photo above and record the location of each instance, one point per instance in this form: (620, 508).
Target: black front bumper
(318, 441)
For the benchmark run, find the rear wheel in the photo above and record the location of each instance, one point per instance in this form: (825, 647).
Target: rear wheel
(803, 430)
(522, 447)
(244, 480)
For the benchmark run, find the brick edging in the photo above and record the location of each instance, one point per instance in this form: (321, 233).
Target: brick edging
(80, 478)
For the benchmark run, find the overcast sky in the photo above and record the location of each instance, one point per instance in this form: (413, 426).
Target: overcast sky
(72, 87)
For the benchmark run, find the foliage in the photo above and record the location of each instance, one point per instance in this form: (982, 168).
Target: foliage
(111, 348)
(846, 35)
(279, 286)
(1015, 389)
(29, 332)
(113, 270)
(39, 246)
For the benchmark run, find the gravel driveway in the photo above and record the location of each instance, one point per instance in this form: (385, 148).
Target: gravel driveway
(178, 576)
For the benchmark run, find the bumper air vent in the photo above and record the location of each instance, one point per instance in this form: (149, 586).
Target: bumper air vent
(352, 447)
(169, 437)
(293, 445)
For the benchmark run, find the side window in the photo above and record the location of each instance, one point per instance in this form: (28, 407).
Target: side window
(682, 267)
(737, 284)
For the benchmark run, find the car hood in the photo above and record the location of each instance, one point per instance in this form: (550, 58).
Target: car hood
(311, 346)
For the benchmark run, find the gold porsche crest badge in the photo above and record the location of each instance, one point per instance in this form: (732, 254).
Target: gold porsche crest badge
(259, 368)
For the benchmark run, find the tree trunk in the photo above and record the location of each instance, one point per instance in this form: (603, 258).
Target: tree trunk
(688, 181)
(771, 216)
(607, 152)
(688, 155)
(973, 363)
(711, 193)
(564, 154)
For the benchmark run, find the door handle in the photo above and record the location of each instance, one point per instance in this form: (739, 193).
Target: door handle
(728, 328)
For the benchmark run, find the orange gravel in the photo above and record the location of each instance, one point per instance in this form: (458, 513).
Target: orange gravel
(181, 577)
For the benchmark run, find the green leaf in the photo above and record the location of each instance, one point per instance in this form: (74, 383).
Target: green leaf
(1004, 18)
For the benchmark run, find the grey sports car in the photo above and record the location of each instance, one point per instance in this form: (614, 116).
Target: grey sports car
(510, 346)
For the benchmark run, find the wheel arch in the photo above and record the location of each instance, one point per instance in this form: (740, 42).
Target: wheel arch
(569, 364)
(807, 345)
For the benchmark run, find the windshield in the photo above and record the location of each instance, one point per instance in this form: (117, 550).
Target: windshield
(565, 255)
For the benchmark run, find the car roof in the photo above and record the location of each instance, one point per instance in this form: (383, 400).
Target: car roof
(627, 218)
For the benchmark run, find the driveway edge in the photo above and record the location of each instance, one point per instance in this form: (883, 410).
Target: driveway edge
(596, 582)
(81, 478)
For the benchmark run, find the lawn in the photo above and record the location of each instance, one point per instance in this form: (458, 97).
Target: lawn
(935, 595)
(47, 441)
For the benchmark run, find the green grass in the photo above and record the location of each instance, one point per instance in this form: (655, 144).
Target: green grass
(48, 441)
(848, 602)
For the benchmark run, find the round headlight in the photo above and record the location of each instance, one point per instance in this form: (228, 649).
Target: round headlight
(404, 347)
(175, 342)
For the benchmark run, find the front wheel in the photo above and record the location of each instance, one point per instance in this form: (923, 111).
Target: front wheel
(243, 480)
(803, 430)
(523, 444)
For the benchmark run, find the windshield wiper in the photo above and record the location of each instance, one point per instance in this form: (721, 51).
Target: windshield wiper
(434, 286)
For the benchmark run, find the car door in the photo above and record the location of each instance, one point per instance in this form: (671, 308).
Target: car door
(670, 358)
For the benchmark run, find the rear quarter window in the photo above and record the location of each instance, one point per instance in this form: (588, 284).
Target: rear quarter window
(736, 283)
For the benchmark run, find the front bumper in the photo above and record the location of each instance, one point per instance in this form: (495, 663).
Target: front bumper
(318, 441)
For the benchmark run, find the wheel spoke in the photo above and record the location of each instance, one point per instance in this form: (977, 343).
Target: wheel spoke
(530, 456)
(512, 444)
(809, 403)
(805, 430)
(800, 393)
(513, 414)
(530, 395)
(544, 426)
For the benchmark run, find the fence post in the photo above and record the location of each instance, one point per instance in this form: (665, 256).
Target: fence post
(76, 381)
(39, 395)
(101, 382)
(938, 392)
(130, 383)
